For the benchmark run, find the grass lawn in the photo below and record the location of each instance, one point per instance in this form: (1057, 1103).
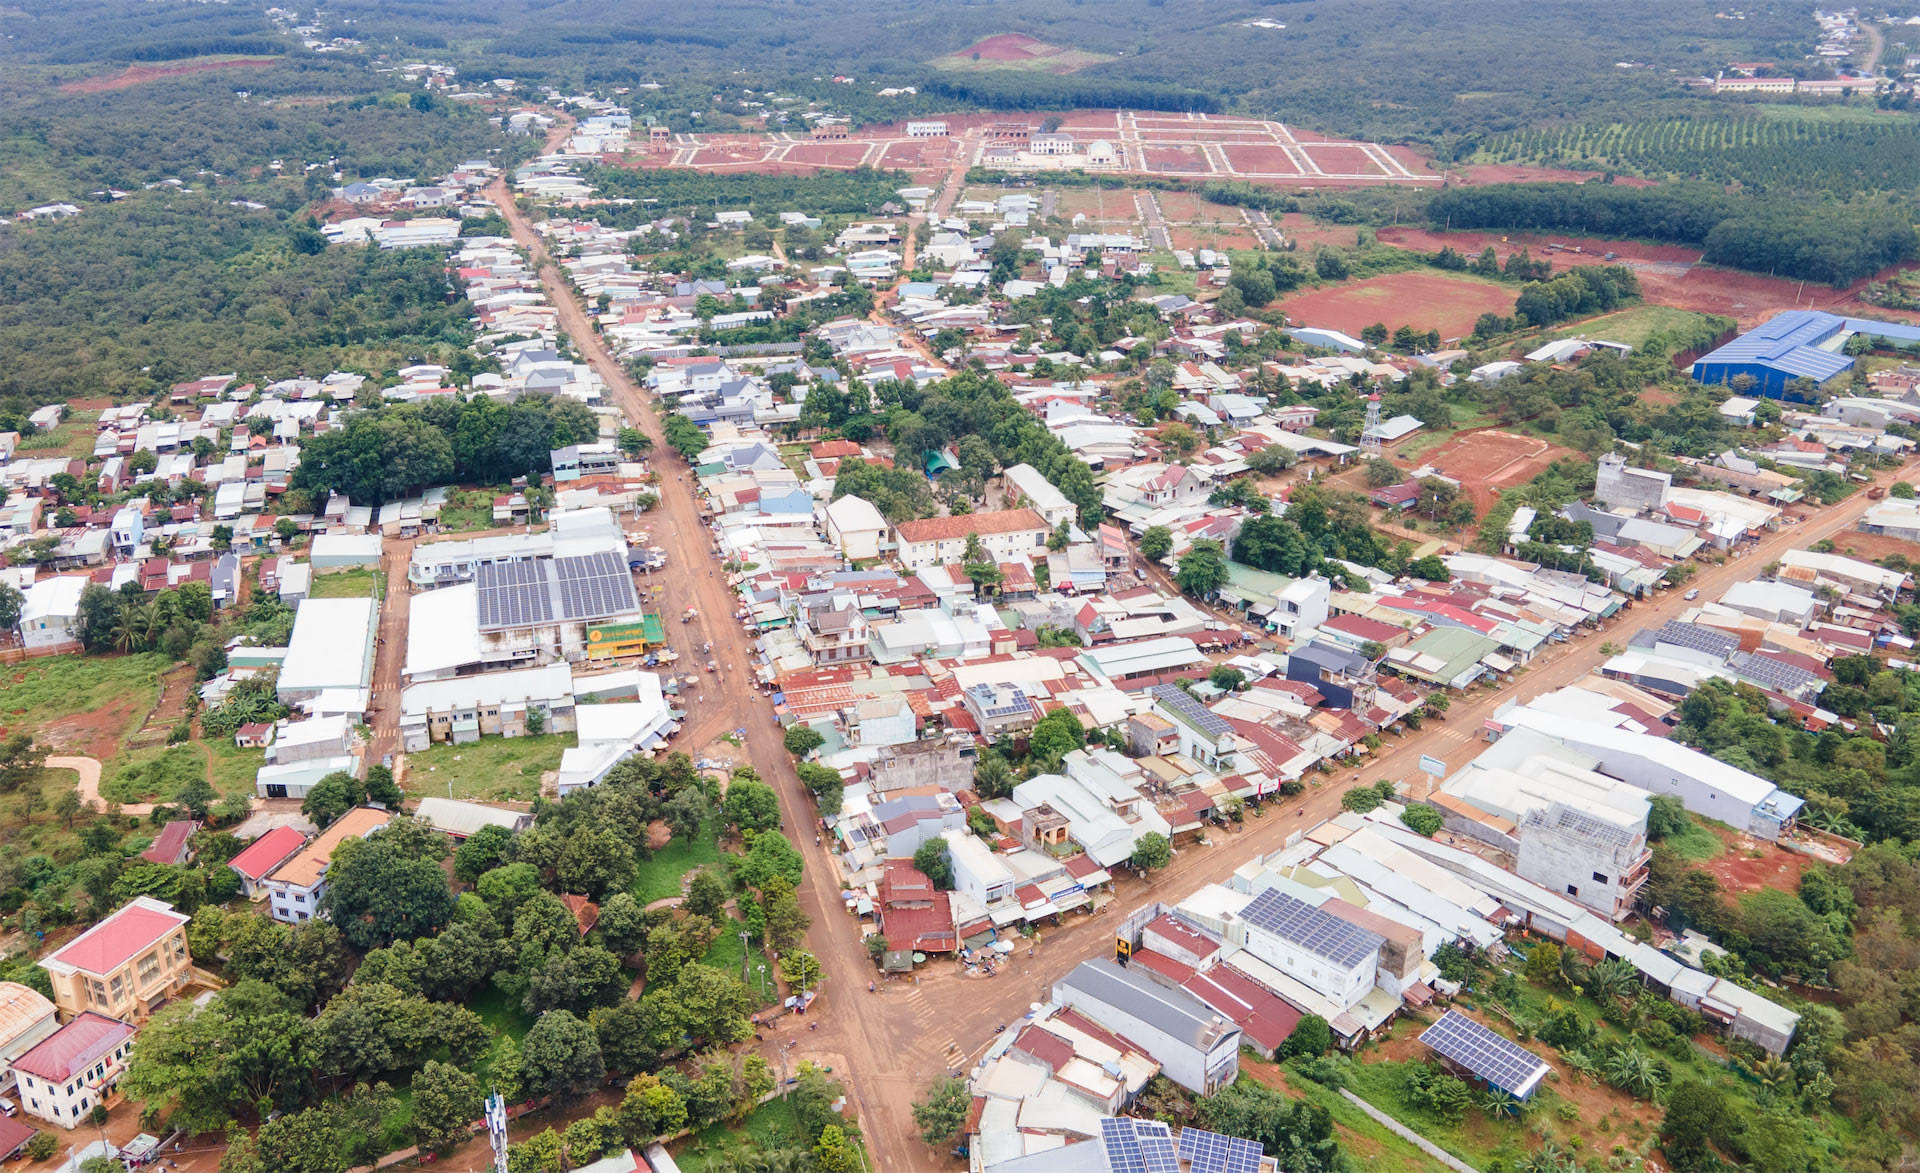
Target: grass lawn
(59, 686)
(491, 769)
(154, 774)
(1698, 845)
(359, 583)
(1360, 1135)
(234, 768)
(1632, 326)
(659, 877)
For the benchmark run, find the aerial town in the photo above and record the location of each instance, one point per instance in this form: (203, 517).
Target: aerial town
(1026, 618)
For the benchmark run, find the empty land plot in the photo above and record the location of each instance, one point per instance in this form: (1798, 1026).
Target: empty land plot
(1224, 236)
(1165, 157)
(1250, 159)
(1343, 159)
(1425, 301)
(1079, 201)
(1184, 205)
(1488, 460)
(1018, 51)
(1299, 226)
(829, 154)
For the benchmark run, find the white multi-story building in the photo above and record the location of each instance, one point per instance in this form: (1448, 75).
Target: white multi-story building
(1006, 536)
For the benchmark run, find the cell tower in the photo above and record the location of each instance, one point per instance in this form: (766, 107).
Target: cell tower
(497, 1130)
(1370, 438)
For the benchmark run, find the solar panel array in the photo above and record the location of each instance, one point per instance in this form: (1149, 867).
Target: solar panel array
(1138, 1146)
(594, 586)
(1209, 1152)
(512, 594)
(1339, 941)
(1203, 719)
(1501, 1062)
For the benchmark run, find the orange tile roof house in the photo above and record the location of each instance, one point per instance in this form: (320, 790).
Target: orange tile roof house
(125, 967)
(1005, 536)
(295, 887)
(263, 855)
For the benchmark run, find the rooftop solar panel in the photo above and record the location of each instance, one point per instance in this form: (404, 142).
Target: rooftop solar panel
(1501, 1062)
(1321, 932)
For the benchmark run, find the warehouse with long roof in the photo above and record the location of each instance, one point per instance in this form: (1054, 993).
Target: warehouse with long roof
(1797, 344)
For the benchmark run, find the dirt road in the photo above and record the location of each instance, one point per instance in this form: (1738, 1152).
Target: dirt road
(889, 1045)
(880, 1076)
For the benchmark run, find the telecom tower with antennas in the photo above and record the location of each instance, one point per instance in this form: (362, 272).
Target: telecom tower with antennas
(1370, 437)
(496, 1117)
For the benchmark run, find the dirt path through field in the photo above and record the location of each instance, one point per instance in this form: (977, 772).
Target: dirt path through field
(89, 784)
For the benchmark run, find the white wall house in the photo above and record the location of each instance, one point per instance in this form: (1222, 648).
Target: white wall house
(1007, 536)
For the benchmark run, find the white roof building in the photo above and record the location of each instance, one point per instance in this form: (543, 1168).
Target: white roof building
(331, 648)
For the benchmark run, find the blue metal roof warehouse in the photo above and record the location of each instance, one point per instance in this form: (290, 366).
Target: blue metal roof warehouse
(1795, 345)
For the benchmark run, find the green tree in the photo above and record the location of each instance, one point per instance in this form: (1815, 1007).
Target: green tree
(1360, 799)
(1543, 964)
(485, 849)
(1226, 677)
(802, 740)
(771, 855)
(1151, 852)
(1698, 1117)
(377, 895)
(1667, 816)
(1056, 735)
(942, 1112)
(446, 1100)
(1422, 819)
(560, 1057)
(1156, 543)
(1203, 570)
(833, 1152)
(249, 1045)
(1311, 1037)
(751, 805)
(934, 861)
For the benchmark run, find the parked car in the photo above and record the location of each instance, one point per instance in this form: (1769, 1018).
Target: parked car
(1691, 595)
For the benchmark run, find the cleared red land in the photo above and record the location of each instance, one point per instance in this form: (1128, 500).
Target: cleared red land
(1343, 159)
(1491, 459)
(1262, 159)
(1174, 158)
(1506, 243)
(133, 75)
(1423, 300)
(829, 154)
(1008, 47)
(1508, 173)
(1197, 236)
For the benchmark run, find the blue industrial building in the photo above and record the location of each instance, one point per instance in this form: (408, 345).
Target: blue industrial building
(1798, 344)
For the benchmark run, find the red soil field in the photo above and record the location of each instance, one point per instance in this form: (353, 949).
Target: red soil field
(1739, 873)
(1486, 460)
(135, 74)
(1873, 547)
(1248, 158)
(828, 154)
(1173, 158)
(1342, 159)
(1008, 47)
(1423, 300)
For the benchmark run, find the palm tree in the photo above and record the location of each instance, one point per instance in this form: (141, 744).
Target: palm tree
(1548, 1158)
(1613, 979)
(1775, 1074)
(1633, 1071)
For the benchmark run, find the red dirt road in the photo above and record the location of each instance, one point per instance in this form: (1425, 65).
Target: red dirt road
(1423, 300)
(135, 74)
